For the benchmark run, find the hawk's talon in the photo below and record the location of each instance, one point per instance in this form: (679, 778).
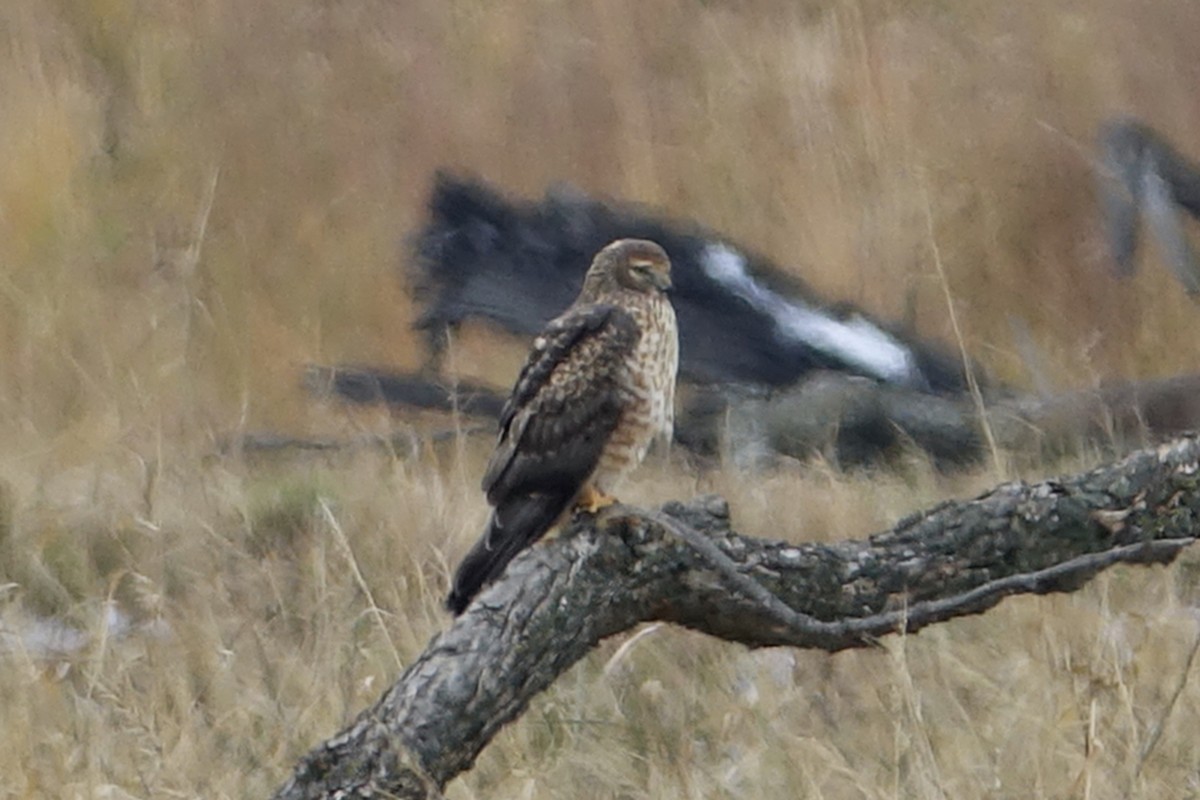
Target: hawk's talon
(592, 500)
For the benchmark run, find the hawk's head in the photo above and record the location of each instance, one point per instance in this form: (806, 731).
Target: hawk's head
(636, 264)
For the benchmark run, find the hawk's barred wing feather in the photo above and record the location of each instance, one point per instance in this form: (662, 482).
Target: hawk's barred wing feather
(565, 404)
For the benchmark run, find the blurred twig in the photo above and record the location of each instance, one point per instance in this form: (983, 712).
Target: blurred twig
(1161, 723)
(376, 612)
(972, 383)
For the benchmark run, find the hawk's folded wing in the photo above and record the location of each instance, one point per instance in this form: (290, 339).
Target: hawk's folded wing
(565, 404)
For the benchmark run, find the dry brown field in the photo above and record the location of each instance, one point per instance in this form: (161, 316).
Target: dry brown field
(199, 198)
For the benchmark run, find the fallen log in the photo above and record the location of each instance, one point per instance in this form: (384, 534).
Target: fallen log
(852, 420)
(367, 385)
(742, 318)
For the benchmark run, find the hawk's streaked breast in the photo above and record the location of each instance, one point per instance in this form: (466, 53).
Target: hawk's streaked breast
(649, 381)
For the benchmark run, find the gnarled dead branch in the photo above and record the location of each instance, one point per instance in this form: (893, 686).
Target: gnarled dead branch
(606, 575)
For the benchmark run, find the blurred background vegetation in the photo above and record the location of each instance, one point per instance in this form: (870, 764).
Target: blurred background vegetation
(197, 199)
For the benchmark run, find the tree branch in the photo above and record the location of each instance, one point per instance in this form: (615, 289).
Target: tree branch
(606, 575)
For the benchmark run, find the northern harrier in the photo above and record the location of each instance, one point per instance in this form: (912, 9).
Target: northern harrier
(597, 388)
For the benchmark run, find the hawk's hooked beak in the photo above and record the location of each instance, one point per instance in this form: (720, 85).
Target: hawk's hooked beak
(662, 282)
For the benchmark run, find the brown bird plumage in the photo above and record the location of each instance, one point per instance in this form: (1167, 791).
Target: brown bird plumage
(597, 388)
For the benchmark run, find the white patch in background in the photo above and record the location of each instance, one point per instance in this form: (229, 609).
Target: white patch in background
(856, 341)
(47, 637)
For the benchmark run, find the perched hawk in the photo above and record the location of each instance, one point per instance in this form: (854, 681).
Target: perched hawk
(597, 388)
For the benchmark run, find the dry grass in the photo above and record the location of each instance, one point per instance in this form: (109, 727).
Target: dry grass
(197, 198)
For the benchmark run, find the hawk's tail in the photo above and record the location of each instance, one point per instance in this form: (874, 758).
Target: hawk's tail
(514, 525)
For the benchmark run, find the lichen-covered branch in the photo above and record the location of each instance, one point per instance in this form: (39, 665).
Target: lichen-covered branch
(559, 599)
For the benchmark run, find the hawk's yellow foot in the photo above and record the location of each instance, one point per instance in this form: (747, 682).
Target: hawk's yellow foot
(592, 500)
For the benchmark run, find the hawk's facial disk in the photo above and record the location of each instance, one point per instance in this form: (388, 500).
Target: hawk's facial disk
(627, 264)
(648, 276)
(644, 267)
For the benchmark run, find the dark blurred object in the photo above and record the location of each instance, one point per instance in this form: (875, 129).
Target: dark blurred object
(849, 420)
(366, 385)
(769, 370)
(1141, 175)
(742, 320)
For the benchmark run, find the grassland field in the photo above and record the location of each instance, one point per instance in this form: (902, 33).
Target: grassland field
(199, 198)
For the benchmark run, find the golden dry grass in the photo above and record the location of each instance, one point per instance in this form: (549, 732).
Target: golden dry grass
(197, 199)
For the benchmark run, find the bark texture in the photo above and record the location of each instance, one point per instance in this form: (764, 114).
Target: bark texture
(605, 575)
